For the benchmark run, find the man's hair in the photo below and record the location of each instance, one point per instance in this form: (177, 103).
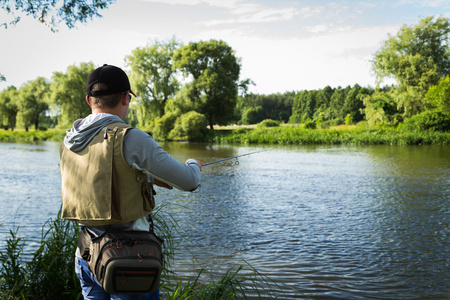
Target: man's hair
(109, 101)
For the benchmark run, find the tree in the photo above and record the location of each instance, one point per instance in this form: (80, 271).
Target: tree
(68, 96)
(380, 108)
(53, 12)
(353, 104)
(337, 104)
(439, 96)
(33, 101)
(323, 99)
(417, 58)
(252, 115)
(191, 126)
(303, 106)
(153, 79)
(437, 117)
(214, 70)
(8, 107)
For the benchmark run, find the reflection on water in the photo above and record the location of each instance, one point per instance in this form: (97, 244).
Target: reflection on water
(332, 222)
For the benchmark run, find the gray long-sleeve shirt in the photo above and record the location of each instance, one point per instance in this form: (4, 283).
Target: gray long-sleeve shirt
(141, 149)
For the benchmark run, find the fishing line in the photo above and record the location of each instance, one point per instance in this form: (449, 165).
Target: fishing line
(228, 158)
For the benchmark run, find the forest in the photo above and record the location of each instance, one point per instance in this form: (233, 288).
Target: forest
(184, 91)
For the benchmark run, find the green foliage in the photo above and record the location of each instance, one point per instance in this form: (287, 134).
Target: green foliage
(191, 126)
(68, 97)
(33, 102)
(417, 57)
(53, 12)
(329, 104)
(269, 123)
(310, 124)
(348, 119)
(252, 115)
(153, 78)
(231, 285)
(214, 70)
(32, 136)
(380, 109)
(434, 120)
(163, 126)
(52, 268)
(9, 107)
(182, 103)
(273, 106)
(50, 273)
(439, 96)
(360, 135)
(12, 271)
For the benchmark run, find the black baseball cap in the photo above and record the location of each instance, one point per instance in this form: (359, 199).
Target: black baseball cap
(113, 77)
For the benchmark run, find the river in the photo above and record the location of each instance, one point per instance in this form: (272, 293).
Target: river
(332, 222)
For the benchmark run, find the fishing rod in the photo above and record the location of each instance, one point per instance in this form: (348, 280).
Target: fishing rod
(228, 158)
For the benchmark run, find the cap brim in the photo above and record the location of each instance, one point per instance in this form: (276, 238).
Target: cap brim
(133, 93)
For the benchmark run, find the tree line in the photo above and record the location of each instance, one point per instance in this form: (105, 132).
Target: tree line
(183, 89)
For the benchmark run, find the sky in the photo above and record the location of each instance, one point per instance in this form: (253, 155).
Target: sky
(283, 45)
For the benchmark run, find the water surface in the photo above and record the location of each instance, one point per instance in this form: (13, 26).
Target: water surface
(333, 222)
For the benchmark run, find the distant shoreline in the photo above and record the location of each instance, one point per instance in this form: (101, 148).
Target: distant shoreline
(283, 135)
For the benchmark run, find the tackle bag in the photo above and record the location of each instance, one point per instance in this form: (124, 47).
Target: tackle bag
(124, 262)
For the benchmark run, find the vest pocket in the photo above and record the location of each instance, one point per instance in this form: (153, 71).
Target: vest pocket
(148, 195)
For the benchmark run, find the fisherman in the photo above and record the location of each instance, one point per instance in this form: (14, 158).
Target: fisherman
(102, 187)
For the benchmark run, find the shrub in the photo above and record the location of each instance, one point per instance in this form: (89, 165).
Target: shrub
(348, 119)
(191, 126)
(252, 115)
(163, 126)
(294, 119)
(430, 119)
(269, 123)
(309, 124)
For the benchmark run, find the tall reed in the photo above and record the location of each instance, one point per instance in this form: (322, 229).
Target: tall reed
(50, 273)
(356, 136)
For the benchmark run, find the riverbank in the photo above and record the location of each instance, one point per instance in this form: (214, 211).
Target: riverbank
(288, 134)
(32, 135)
(347, 135)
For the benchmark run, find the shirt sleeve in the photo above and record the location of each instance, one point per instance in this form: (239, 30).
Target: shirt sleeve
(140, 148)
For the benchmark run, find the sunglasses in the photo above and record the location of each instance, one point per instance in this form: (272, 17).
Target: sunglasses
(129, 95)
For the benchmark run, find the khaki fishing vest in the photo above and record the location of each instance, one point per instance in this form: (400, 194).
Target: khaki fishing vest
(99, 187)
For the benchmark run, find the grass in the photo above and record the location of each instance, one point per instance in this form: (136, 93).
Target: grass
(284, 134)
(336, 135)
(19, 135)
(50, 273)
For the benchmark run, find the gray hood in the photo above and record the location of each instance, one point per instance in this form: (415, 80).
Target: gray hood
(76, 139)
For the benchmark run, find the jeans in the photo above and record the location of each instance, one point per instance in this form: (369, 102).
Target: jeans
(91, 288)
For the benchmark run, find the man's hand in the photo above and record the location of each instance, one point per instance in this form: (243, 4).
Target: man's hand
(199, 163)
(162, 184)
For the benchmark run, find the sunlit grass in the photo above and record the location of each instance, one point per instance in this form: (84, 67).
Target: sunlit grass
(283, 134)
(345, 134)
(20, 135)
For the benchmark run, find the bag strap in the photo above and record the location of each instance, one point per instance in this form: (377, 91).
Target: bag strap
(151, 228)
(83, 243)
(150, 223)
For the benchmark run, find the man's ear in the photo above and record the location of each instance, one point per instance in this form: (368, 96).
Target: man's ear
(124, 99)
(88, 101)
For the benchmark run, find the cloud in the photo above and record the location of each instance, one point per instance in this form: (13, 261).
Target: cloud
(243, 11)
(259, 15)
(424, 3)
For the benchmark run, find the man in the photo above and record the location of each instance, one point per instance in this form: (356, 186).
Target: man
(103, 161)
